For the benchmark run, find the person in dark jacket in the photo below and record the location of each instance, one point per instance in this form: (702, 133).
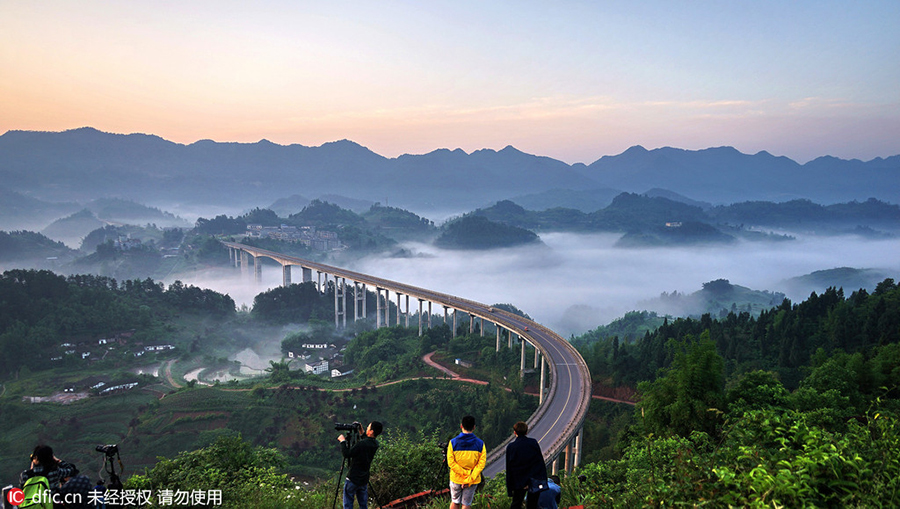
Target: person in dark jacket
(360, 456)
(75, 492)
(524, 462)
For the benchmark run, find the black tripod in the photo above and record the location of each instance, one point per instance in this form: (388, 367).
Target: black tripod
(352, 438)
(114, 482)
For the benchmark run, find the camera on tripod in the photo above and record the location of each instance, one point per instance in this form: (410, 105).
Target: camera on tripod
(109, 449)
(355, 427)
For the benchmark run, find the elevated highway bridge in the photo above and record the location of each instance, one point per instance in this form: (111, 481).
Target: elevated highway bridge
(565, 382)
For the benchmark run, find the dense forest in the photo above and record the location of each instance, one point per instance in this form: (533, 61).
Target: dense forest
(796, 408)
(40, 310)
(782, 339)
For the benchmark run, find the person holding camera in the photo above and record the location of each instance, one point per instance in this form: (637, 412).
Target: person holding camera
(44, 463)
(466, 457)
(360, 457)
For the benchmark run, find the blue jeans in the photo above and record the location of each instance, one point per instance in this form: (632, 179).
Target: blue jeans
(360, 492)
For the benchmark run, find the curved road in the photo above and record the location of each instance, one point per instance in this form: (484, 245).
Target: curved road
(562, 412)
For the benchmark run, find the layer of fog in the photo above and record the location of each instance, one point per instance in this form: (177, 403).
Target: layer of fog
(577, 282)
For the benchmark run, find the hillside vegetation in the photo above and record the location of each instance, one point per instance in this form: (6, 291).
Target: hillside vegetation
(477, 232)
(797, 406)
(60, 319)
(707, 434)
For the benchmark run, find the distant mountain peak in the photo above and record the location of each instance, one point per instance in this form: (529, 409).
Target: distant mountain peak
(342, 143)
(85, 129)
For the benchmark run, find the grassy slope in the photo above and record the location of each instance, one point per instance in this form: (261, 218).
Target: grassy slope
(299, 422)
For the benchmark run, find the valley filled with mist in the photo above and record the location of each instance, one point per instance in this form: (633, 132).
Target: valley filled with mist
(574, 260)
(576, 282)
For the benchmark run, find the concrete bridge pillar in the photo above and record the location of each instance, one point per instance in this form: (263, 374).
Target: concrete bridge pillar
(455, 312)
(340, 303)
(398, 309)
(537, 357)
(319, 286)
(481, 321)
(244, 262)
(522, 360)
(257, 269)
(543, 381)
(285, 275)
(510, 339)
(365, 299)
(307, 274)
(554, 466)
(498, 338)
(407, 311)
(387, 307)
(579, 444)
(445, 314)
(343, 303)
(420, 317)
(377, 307)
(471, 323)
(429, 314)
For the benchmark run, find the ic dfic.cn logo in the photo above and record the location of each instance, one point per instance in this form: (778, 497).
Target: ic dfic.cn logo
(15, 496)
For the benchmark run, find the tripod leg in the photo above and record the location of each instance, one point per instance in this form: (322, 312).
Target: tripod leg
(337, 488)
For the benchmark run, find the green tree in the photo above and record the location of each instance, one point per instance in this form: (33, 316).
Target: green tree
(755, 391)
(279, 372)
(241, 471)
(688, 395)
(408, 463)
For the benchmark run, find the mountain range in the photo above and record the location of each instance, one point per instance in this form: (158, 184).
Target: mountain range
(85, 164)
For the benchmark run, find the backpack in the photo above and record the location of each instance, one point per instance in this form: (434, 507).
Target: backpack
(37, 493)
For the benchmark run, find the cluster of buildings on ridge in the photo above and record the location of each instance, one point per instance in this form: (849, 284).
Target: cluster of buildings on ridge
(329, 358)
(327, 361)
(86, 349)
(319, 240)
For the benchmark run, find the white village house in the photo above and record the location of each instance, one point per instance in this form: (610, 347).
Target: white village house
(316, 368)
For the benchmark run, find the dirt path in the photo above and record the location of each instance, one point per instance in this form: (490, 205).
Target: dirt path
(614, 400)
(453, 375)
(167, 370)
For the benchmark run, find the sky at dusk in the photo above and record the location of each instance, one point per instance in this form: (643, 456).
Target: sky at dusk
(570, 80)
